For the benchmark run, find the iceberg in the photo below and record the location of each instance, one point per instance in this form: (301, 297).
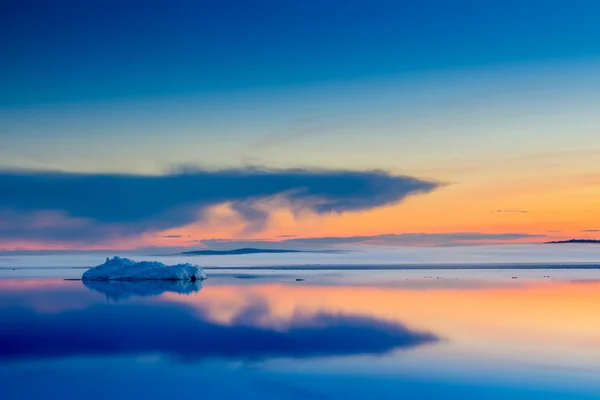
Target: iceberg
(124, 269)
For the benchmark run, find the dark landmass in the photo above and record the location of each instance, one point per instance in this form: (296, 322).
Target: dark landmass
(592, 241)
(238, 251)
(407, 267)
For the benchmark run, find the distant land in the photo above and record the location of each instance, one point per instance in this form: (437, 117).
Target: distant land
(247, 250)
(593, 241)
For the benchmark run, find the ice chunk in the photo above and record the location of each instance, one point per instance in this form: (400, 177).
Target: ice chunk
(123, 269)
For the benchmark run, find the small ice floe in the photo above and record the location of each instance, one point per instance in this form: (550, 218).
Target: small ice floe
(123, 269)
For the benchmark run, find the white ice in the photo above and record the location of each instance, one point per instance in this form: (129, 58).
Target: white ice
(124, 269)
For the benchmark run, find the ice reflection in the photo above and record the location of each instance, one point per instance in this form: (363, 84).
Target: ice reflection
(120, 290)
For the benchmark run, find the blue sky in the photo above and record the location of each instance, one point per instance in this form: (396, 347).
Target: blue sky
(496, 101)
(97, 50)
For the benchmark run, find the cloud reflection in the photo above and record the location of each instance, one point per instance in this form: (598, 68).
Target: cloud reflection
(188, 335)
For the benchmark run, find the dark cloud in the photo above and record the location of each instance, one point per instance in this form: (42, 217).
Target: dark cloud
(104, 205)
(407, 239)
(183, 333)
(590, 230)
(171, 236)
(255, 218)
(57, 226)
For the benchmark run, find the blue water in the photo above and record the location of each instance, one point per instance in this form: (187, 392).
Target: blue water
(266, 335)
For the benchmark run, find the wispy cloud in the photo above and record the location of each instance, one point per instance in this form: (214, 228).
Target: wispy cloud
(401, 239)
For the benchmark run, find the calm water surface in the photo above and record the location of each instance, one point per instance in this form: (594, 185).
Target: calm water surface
(333, 334)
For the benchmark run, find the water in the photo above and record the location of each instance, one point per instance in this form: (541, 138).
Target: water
(411, 334)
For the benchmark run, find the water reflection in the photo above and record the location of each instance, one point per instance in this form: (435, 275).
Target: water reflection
(187, 333)
(267, 338)
(120, 290)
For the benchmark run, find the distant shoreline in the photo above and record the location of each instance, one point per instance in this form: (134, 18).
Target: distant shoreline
(241, 251)
(574, 241)
(379, 267)
(425, 267)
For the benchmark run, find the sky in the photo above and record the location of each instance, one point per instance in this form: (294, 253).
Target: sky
(127, 124)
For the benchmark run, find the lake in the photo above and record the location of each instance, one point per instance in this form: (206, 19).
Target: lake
(303, 334)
